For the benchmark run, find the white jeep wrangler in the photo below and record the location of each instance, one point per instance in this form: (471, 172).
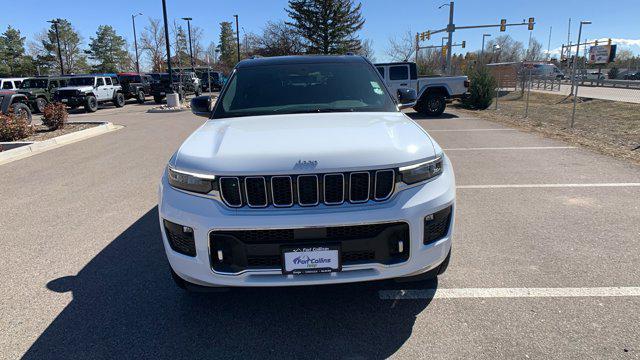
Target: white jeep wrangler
(89, 91)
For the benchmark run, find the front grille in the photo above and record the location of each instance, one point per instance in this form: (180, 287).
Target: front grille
(261, 249)
(307, 190)
(67, 93)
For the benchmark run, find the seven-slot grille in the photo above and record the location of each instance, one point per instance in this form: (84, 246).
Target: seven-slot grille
(307, 189)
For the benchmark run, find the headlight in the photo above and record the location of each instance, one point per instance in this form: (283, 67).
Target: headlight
(190, 182)
(415, 173)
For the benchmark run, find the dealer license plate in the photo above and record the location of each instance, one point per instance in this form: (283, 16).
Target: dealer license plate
(310, 260)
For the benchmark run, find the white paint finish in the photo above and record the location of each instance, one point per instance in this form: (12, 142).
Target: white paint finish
(516, 186)
(473, 293)
(274, 144)
(513, 148)
(469, 130)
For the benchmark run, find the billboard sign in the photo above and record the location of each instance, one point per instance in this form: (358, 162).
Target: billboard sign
(602, 54)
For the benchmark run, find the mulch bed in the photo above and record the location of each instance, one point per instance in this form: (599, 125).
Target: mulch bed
(43, 133)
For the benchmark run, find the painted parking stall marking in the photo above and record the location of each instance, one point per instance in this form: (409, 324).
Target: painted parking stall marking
(521, 186)
(513, 148)
(471, 293)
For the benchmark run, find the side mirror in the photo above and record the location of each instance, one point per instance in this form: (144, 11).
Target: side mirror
(407, 98)
(201, 105)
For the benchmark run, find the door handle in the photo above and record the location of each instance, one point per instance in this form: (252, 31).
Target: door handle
(403, 84)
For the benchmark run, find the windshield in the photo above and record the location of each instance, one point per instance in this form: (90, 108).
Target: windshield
(34, 84)
(130, 78)
(81, 81)
(303, 88)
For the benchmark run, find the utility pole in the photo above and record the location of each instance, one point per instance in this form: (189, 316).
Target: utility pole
(188, 19)
(549, 43)
(168, 44)
(55, 23)
(135, 40)
(574, 82)
(237, 36)
(450, 29)
(482, 50)
(444, 63)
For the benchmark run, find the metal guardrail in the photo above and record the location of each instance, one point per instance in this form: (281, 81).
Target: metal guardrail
(550, 83)
(629, 84)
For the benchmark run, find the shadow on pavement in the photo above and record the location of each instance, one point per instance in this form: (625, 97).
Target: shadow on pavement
(444, 116)
(125, 305)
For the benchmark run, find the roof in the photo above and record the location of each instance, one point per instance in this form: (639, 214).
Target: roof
(300, 59)
(129, 74)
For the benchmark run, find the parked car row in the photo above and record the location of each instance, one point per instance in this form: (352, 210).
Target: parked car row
(90, 90)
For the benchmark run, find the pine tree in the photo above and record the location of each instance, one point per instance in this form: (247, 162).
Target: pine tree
(108, 50)
(72, 56)
(328, 26)
(13, 61)
(227, 45)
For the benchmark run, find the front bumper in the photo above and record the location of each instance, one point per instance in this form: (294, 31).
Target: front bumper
(204, 215)
(71, 100)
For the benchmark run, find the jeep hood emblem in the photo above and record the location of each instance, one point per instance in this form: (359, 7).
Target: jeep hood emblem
(305, 165)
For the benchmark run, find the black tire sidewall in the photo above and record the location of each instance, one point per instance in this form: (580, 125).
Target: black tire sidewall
(431, 97)
(20, 107)
(140, 97)
(119, 100)
(40, 104)
(88, 104)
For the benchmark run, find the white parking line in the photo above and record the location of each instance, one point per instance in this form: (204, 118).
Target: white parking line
(515, 186)
(454, 130)
(507, 293)
(513, 148)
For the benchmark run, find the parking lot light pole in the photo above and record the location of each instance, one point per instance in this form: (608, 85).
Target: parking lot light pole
(188, 19)
(573, 77)
(237, 36)
(55, 23)
(482, 50)
(135, 40)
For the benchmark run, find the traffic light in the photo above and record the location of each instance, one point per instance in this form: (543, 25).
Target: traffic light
(444, 50)
(609, 41)
(531, 21)
(503, 24)
(464, 44)
(428, 35)
(422, 36)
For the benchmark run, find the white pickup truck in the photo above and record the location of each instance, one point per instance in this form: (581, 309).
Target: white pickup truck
(433, 91)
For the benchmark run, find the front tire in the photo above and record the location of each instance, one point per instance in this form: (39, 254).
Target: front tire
(433, 105)
(91, 104)
(140, 97)
(119, 100)
(40, 104)
(21, 109)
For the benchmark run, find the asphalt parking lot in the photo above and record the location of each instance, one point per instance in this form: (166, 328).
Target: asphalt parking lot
(546, 260)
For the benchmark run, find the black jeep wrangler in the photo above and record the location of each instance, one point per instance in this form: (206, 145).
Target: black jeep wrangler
(135, 86)
(39, 90)
(12, 102)
(186, 83)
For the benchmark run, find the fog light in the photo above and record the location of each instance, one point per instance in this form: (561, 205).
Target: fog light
(180, 238)
(436, 225)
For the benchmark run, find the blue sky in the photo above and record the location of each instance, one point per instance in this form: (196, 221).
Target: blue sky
(383, 18)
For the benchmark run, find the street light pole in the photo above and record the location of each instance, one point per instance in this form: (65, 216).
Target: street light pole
(188, 19)
(55, 23)
(135, 40)
(573, 78)
(450, 30)
(237, 36)
(168, 44)
(482, 50)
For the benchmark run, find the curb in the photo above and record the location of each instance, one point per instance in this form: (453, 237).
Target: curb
(156, 111)
(42, 146)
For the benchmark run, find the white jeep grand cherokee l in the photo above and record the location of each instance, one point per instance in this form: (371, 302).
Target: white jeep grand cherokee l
(306, 173)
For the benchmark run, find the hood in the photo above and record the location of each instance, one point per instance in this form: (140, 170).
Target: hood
(303, 143)
(81, 88)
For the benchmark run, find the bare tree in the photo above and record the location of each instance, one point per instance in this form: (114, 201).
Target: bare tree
(278, 39)
(366, 49)
(197, 33)
(401, 49)
(153, 44)
(535, 52)
(509, 49)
